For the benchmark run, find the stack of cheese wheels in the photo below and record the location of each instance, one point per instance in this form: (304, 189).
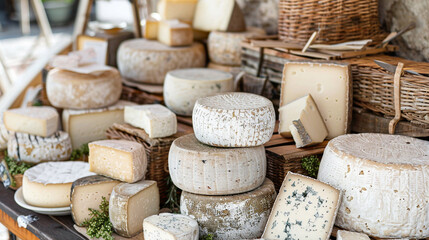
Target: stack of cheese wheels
(223, 178)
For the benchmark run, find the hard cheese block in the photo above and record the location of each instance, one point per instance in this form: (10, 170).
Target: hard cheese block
(130, 204)
(225, 47)
(330, 86)
(157, 120)
(304, 209)
(201, 169)
(301, 119)
(234, 120)
(88, 125)
(175, 33)
(88, 192)
(384, 179)
(66, 89)
(238, 216)
(4, 136)
(34, 149)
(221, 15)
(40, 121)
(183, 87)
(150, 29)
(48, 184)
(346, 235)
(183, 10)
(168, 226)
(149, 61)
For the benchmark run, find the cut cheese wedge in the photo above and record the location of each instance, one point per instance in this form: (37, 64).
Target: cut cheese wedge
(150, 29)
(346, 235)
(175, 33)
(40, 121)
(183, 10)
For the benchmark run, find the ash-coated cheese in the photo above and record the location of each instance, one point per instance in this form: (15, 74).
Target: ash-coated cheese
(167, 226)
(346, 235)
(304, 209)
(119, 159)
(384, 179)
(225, 47)
(88, 192)
(175, 33)
(202, 169)
(234, 120)
(40, 121)
(4, 136)
(130, 204)
(34, 149)
(149, 61)
(66, 89)
(49, 184)
(240, 216)
(183, 87)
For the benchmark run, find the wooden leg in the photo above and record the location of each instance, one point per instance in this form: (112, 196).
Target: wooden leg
(82, 18)
(137, 19)
(5, 80)
(42, 20)
(25, 17)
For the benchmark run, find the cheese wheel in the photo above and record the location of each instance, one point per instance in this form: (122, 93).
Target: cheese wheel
(234, 120)
(385, 184)
(239, 216)
(169, 226)
(201, 169)
(183, 87)
(149, 61)
(66, 89)
(225, 47)
(49, 184)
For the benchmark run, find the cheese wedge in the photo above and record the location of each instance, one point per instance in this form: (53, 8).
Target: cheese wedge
(183, 10)
(40, 121)
(175, 33)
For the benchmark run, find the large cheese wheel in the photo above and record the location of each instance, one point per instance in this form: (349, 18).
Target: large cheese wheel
(241, 216)
(234, 120)
(385, 183)
(201, 169)
(183, 87)
(149, 61)
(66, 89)
(225, 47)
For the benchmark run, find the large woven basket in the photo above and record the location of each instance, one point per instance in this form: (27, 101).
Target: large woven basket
(335, 20)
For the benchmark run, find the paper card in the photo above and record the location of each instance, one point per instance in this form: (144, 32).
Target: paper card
(100, 49)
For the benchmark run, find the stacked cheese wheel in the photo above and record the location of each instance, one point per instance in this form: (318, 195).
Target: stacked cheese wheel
(221, 169)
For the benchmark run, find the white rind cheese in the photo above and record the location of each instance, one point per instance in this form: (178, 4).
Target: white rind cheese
(241, 216)
(34, 149)
(149, 61)
(175, 33)
(66, 89)
(234, 120)
(48, 184)
(157, 120)
(183, 87)
(346, 235)
(4, 136)
(384, 179)
(40, 121)
(225, 47)
(201, 169)
(130, 204)
(167, 226)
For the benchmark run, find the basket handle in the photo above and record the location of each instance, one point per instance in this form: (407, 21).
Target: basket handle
(396, 97)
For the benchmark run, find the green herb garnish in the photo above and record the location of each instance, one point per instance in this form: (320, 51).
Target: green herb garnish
(311, 165)
(80, 152)
(173, 200)
(209, 236)
(99, 225)
(15, 167)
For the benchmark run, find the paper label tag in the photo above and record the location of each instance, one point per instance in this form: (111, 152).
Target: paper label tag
(100, 49)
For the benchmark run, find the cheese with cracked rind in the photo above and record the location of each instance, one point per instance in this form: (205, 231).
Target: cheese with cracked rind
(234, 120)
(66, 89)
(183, 87)
(175, 33)
(384, 179)
(34, 149)
(40, 121)
(201, 169)
(149, 61)
(167, 226)
(130, 204)
(346, 235)
(238, 216)
(222, 15)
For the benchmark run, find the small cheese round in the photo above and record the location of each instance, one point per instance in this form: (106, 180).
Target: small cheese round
(241, 216)
(225, 47)
(202, 169)
(385, 183)
(148, 61)
(170, 226)
(49, 184)
(234, 120)
(66, 89)
(183, 87)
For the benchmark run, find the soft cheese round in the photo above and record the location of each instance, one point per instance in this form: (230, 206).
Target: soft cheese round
(241, 216)
(385, 183)
(202, 169)
(183, 87)
(234, 120)
(148, 61)
(170, 226)
(49, 184)
(66, 89)
(225, 47)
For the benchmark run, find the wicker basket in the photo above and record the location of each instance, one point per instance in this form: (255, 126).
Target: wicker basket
(139, 96)
(335, 20)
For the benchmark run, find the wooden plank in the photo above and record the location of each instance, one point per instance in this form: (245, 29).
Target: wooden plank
(13, 227)
(137, 19)
(313, 55)
(369, 51)
(290, 151)
(275, 44)
(185, 120)
(43, 22)
(278, 140)
(82, 17)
